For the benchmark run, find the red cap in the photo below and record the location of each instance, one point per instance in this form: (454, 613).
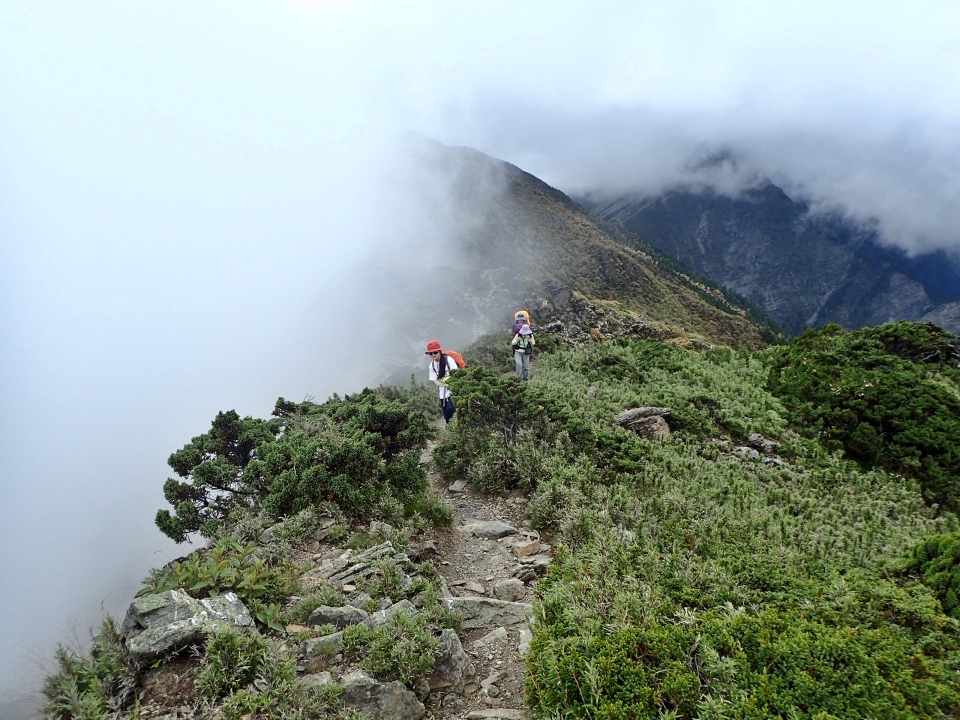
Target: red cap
(433, 346)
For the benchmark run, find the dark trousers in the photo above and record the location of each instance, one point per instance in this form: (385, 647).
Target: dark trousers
(448, 408)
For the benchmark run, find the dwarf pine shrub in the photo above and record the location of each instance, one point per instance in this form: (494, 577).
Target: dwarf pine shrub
(360, 452)
(871, 394)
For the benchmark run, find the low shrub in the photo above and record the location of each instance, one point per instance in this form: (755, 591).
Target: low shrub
(91, 686)
(887, 396)
(243, 675)
(403, 649)
(937, 561)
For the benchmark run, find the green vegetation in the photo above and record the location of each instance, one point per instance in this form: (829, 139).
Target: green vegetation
(90, 686)
(248, 675)
(887, 396)
(690, 579)
(229, 566)
(730, 587)
(361, 452)
(937, 560)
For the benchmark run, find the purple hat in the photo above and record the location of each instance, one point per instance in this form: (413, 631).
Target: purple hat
(525, 330)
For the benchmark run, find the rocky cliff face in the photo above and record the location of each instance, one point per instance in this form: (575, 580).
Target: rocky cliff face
(804, 270)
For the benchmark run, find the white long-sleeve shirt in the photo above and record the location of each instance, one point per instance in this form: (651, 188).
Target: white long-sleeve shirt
(444, 391)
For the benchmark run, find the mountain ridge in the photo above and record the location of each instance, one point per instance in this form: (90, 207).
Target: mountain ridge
(804, 270)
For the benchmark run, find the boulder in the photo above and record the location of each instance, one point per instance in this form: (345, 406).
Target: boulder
(158, 623)
(478, 612)
(510, 590)
(648, 422)
(380, 701)
(525, 548)
(360, 601)
(764, 445)
(452, 661)
(458, 486)
(339, 617)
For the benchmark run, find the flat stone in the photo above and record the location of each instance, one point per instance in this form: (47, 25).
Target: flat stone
(360, 601)
(495, 713)
(380, 701)
(458, 486)
(474, 587)
(525, 548)
(491, 638)
(317, 680)
(478, 612)
(158, 623)
(339, 617)
(492, 679)
(492, 529)
(510, 590)
(294, 629)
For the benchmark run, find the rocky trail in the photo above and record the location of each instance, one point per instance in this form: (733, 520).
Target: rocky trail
(488, 562)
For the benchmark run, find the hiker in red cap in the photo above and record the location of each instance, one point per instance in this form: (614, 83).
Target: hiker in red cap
(441, 365)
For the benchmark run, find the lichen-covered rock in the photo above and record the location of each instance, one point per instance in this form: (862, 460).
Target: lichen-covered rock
(380, 701)
(450, 667)
(158, 623)
(339, 617)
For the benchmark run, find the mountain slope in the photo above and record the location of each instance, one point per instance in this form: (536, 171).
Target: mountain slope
(514, 241)
(805, 271)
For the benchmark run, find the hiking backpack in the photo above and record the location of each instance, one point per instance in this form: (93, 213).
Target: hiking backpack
(447, 356)
(457, 358)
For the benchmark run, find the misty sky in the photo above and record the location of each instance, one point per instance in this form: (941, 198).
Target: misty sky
(189, 193)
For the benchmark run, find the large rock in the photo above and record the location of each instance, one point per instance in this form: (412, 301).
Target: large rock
(648, 422)
(476, 612)
(339, 617)
(380, 701)
(450, 668)
(158, 623)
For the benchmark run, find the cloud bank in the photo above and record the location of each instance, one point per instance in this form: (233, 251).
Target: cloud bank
(189, 196)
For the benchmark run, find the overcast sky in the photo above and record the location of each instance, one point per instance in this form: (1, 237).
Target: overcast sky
(188, 192)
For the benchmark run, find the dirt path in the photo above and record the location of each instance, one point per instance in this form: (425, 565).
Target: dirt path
(477, 566)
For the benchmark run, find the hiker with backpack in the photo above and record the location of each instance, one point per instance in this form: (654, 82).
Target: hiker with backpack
(520, 318)
(522, 344)
(442, 363)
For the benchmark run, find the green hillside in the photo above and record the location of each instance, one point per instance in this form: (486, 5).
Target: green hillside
(789, 550)
(694, 580)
